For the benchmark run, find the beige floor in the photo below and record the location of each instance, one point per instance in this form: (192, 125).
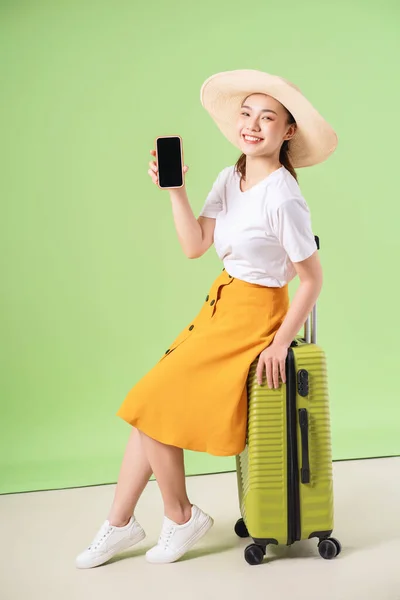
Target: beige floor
(41, 533)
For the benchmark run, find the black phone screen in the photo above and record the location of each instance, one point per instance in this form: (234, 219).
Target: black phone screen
(169, 159)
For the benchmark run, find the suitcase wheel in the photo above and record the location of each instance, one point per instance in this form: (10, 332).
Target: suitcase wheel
(254, 554)
(329, 548)
(241, 529)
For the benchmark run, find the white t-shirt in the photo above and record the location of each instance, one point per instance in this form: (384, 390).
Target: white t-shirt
(261, 232)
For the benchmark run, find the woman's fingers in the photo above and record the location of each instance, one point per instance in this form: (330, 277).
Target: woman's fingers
(275, 372)
(153, 175)
(260, 371)
(275, 368)
(153, 171)
(269, 371)
(283, 371)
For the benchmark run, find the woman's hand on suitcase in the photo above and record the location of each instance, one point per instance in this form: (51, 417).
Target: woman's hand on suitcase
(153, 171)
(273, 360)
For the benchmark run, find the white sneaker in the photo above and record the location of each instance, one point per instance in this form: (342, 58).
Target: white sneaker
(109, 541)
(175, 540)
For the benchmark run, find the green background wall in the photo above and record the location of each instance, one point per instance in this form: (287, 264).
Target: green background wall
(94, 283)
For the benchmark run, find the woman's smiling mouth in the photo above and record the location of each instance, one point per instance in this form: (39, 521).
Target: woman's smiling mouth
(251, 139)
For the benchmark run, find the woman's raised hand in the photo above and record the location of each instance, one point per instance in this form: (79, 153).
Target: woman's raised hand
(153, 171)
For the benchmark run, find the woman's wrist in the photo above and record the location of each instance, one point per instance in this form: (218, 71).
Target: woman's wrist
(178, 193)
(284, 343)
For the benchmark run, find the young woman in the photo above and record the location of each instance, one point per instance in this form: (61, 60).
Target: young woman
(195, 396)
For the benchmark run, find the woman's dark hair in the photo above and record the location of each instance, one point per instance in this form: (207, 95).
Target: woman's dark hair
(283, 156)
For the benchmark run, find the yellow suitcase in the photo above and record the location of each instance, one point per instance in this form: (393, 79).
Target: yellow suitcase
(285, 472)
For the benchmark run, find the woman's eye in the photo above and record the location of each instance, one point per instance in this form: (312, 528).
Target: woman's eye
(245, 114)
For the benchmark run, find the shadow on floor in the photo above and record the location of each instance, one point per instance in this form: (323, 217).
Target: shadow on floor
(195, 553)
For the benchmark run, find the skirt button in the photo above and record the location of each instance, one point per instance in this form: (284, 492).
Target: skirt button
(212, 302)
(191, 327)
(207, 298)
(169, 350)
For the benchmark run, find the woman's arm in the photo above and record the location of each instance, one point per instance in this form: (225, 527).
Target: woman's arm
(273, 358)
(195, 235)
(310, 275)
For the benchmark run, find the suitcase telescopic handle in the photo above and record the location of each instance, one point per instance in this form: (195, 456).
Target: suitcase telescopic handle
(305, 456)
(310, 326)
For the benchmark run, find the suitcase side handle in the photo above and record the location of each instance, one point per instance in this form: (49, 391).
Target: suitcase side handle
(305, 456)
(310, 326)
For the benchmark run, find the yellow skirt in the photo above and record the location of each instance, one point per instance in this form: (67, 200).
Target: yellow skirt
(195, 397)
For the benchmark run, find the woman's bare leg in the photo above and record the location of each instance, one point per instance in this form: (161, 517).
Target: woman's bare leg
(134, 475)
(167, 463)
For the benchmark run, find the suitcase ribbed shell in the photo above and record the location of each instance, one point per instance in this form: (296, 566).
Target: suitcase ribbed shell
(316, 498)
(262, 466)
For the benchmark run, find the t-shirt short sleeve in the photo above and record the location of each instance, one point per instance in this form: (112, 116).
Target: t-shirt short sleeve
(213, 204)
(292, 227)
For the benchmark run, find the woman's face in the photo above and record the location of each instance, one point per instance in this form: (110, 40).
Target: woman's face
(262, 126)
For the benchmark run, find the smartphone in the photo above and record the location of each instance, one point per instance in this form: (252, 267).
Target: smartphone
(169, 154)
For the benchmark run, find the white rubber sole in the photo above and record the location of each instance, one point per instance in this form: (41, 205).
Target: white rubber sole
(188, 546)
(103, 558)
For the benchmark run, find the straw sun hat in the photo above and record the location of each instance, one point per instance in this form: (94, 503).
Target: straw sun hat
(222, 96)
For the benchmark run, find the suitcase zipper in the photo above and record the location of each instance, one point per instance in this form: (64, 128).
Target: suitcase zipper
(294, 532)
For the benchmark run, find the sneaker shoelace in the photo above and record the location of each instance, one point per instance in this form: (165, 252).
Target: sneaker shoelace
(101, 536)
(165, 536)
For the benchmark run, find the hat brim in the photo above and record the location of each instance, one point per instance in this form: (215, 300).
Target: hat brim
(222, 96)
